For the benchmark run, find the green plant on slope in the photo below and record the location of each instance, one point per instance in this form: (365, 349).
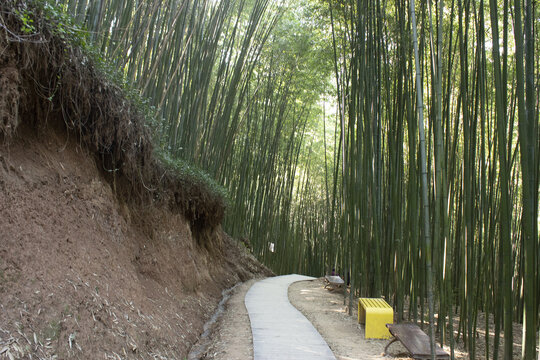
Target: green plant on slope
(193, 175)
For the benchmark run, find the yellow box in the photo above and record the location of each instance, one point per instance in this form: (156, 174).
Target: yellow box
(375, 313)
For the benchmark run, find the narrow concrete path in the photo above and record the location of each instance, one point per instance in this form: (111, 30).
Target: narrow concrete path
(279, 330)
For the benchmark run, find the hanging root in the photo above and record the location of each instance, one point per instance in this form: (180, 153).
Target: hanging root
(9, 100)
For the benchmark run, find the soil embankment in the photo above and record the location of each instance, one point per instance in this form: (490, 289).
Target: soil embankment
(77, 264)
(98, 259)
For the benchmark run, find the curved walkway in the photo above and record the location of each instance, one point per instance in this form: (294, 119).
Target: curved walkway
(279, 330)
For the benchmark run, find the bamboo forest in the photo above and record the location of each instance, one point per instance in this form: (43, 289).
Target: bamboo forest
(395, 141)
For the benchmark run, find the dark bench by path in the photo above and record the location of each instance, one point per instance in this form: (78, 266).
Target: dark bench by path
(415, 341)
(333, 282)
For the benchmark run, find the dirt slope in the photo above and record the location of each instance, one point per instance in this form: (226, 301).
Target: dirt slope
(104, 252)
(77, 264)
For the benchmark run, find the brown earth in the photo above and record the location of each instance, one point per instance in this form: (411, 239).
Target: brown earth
(83, 275)
(232, 338)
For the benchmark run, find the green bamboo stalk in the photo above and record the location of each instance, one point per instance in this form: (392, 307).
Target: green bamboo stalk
(526, 140)
(423, 164)
(505, 247)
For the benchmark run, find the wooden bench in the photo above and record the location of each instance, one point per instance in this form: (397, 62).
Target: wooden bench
(375, 313)
(334, 282)
(415, 341)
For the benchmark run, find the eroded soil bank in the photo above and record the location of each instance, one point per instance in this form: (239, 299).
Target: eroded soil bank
(83, 275)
